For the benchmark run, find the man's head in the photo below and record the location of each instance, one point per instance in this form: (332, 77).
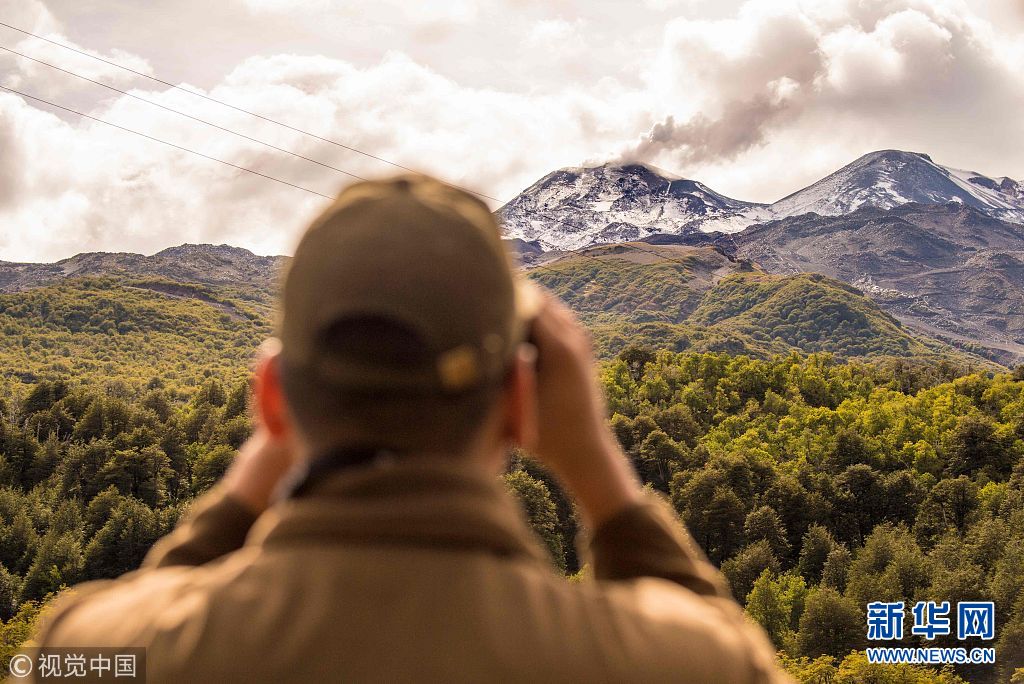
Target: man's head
(401, 325)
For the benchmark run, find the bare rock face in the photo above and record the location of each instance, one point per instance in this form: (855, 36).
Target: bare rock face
(948, 270)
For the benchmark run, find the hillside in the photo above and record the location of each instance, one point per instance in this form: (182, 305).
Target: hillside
(698, 299)
(169, 316)
(948, 270)
(96, 328)
(892, 178)
(220, 265)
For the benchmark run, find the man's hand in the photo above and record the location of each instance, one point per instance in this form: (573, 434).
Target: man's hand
(260, 465)
(574, 439)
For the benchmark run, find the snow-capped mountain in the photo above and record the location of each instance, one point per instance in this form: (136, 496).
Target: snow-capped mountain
(891, 178)
(576, 207)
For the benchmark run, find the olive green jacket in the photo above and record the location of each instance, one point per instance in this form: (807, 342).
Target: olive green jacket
(415, 571)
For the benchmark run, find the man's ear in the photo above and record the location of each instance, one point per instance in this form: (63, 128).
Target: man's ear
(521, 420)
(268, 395)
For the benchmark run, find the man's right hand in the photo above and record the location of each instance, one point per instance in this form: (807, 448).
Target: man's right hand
(574, 439)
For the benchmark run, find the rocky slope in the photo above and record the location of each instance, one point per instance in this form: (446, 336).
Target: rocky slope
(892, 178)
(949, 270)
(578, 207)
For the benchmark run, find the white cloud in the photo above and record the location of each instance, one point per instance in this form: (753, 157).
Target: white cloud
(114, 191)
(755, 99)
(33, 16)
(783, 83)
(282, 6)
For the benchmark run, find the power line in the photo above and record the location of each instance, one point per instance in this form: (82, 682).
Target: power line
(619, 267)
(256, 140)
(236, 108)
(232, 165)
(553, 219)
(185, 114)
(164, 142)
(125, 129)
(227, 163)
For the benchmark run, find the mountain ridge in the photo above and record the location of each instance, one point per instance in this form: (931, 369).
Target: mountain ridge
(577, 207)
(114, 310)
(950, 270)
(617, 203)
(886, 179)
(206, 264)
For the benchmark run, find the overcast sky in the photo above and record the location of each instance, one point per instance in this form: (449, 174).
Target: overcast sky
(756, 99)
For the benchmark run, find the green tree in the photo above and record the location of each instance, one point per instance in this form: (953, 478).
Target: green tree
(831, 624)
(889, 567)
(856, 669)
(711, 510)
(815, 548)
(141, 474)
(92, 425)
(836, 569)
(764, 524)
(950, 505)
(209, 465)
(776, 603)
(122, 542)
(540, 512)
(743, 569)
(57, 563)
(975, 445)
(15, 631)
(10, 589)
(659, 458)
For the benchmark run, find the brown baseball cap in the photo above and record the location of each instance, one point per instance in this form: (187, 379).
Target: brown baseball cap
(421, 255)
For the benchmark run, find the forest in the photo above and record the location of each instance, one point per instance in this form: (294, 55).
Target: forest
(817, 487)
(821, 455)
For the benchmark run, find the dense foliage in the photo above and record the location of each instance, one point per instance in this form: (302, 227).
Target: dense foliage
(817, 483)
(132, 330)
(135, 328)
(90, 478)
(818, 487)
(683, 305)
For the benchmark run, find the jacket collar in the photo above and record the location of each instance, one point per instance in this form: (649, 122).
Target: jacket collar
(414, 501)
